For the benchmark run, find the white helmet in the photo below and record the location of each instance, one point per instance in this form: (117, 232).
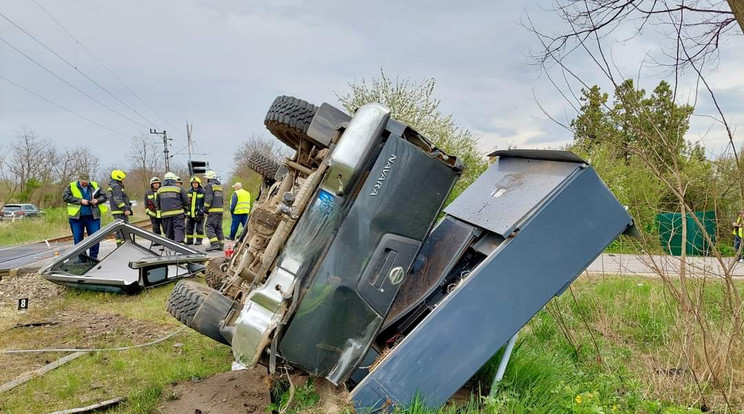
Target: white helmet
(171, 176)
(210, 175)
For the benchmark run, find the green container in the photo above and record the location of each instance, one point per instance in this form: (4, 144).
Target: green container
(670, 232)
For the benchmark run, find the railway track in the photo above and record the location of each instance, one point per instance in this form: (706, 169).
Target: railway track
(145, 224)
(15, 257)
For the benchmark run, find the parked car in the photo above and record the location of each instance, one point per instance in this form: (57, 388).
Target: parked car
(18, 211)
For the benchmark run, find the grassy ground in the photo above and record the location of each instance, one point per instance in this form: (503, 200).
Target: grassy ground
(54, 223)
(556, 366)
(141, 375)
(626, 363)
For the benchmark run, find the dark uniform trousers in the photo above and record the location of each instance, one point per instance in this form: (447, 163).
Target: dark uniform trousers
(214, 228)
(194, 229)
(156, 225)
(173, 227)
(119, 233)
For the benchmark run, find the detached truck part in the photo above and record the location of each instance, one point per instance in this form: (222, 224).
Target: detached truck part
(341, 274)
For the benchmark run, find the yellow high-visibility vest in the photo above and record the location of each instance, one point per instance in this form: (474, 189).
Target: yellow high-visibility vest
(243, 205)
(72, 209)
(739, 231)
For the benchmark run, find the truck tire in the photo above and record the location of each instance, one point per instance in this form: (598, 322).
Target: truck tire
(263, 164)
(289, 118)
(200, 308)
(186, 298)
(216, 272)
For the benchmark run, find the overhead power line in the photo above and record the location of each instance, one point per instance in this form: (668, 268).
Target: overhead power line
(62, 107)
(42, 44)
(78, 42)
(73, 86)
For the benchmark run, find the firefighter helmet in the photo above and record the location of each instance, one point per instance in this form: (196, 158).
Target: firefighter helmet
(154, 180)
(210, 175)
(195, 179)
(118, 175)
(171, 176)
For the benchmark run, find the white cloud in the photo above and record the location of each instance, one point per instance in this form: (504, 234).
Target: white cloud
(220, 64)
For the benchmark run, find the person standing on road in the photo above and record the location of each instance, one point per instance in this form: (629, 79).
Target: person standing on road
(195, 213)
(151, 207)
(172, 201)
(738, 235)
(240, 208)
(85, 205)
(121, 208)
(213, 202)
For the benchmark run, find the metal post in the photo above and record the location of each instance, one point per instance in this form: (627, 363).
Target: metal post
(504, 361)
(165, 146)
(188, 138)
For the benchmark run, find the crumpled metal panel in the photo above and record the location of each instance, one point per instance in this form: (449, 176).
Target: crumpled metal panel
(441, 250)
(125, 268)
(502, 197)
(345, 302)
(499, 297)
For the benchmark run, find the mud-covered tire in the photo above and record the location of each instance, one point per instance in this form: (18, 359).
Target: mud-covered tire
(289, 118)
(263, 164)
(216, 272)
(186, 298)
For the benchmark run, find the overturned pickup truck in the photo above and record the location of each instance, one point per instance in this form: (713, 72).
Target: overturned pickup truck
(343, 273)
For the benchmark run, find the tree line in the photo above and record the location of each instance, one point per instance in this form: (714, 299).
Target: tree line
(35, 170)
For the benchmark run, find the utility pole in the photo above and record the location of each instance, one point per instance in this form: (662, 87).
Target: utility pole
(188, 137)
(165, 146)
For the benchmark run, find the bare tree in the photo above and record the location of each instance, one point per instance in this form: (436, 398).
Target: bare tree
(255, 143)
(697, 26)
(708, 330)
(30, 163)
(73, 161)
(145, 162)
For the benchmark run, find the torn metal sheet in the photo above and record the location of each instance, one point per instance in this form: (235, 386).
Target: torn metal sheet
(143, 260)
(563, 216)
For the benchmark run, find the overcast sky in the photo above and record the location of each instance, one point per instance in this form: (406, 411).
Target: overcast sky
(219, 65)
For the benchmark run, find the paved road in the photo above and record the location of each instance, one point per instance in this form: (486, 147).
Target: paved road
(651, 265)
(37, 255)
(19, 256)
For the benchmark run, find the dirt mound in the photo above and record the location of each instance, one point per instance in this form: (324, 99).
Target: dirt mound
(236, 392)
(32, 286)
(333, 399)
(97, 327)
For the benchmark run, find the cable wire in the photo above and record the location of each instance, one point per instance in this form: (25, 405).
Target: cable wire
(73, 86)
(63, 107)
(103, 65)
(118, 348)
(42, 44)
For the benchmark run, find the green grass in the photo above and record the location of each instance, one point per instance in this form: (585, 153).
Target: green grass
(632, 321)
(633, 324)
(140, 375)
(54, 223)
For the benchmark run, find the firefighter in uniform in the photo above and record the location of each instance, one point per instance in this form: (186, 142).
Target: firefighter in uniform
(121, 208)
(213, 201)
(172, 201)
(195, 213)
(151, 207)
